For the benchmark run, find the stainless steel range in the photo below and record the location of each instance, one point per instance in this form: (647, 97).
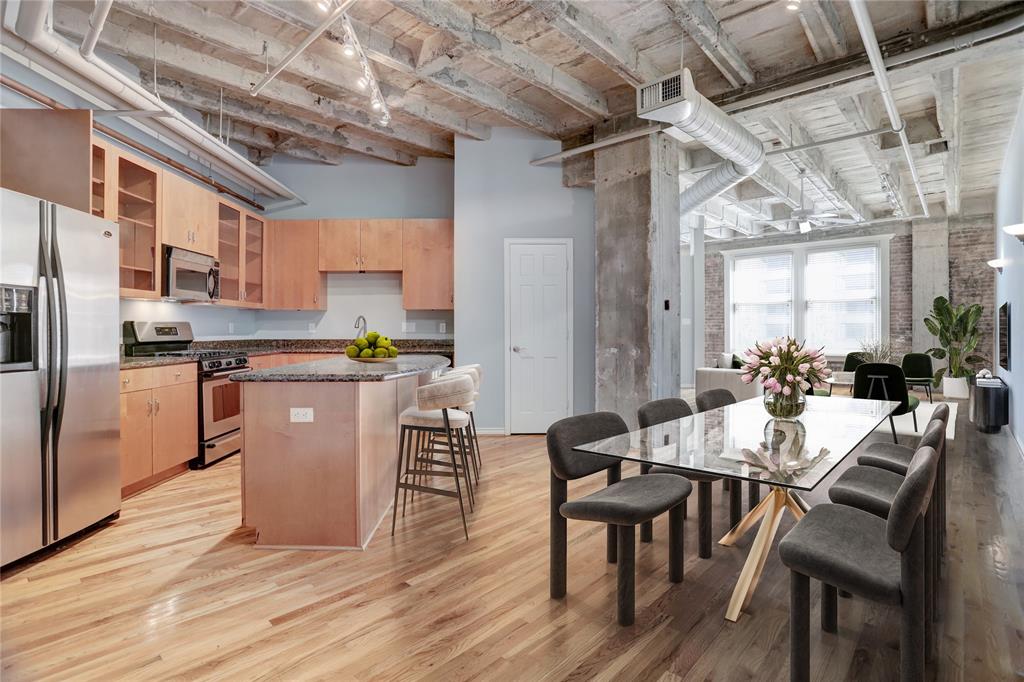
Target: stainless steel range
(220, 400)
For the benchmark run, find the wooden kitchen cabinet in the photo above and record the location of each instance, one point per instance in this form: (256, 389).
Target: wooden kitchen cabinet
(428, 265)
(364, 245)
(241, 250)
(189, 215)
(136, 195)
(174, 407)
(254, 260)
(293, 275)
(48, 154)
(159, 424)
(136, 437)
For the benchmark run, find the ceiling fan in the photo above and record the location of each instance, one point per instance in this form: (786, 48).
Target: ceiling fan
(804, 218)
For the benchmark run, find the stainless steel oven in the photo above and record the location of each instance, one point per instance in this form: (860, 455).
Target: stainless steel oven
(191, 276)
(220, 411)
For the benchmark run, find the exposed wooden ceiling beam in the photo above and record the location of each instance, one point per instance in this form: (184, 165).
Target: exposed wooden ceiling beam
(339, 72)
(948, 110)
(493, 47)
(862, 113)
(441, 73)
(824, 29)
(140, 48)
(572, 19)
(938, 12)
(249, 111)
(819, 171)
(700, 23)
(273, 142)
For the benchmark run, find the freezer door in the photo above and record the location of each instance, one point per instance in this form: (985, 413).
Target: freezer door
(86, 464)
(21, 393)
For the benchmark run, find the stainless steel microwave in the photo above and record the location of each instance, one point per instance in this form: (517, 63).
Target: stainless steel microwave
(191, 276)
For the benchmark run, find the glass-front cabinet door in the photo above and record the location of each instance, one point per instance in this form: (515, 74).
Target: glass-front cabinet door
(253, 254)
(137, 192)
(229, 228)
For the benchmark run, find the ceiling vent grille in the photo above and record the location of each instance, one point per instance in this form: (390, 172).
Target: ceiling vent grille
(659, 93)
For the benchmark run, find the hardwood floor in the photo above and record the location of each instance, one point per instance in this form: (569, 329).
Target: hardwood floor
(174, 590)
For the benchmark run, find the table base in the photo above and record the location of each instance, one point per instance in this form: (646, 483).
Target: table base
(771, 508)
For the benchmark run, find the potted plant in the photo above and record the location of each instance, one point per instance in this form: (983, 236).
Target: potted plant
(788, 370)
(957, 331)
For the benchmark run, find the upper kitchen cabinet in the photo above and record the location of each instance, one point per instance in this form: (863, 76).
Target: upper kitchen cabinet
(254, 257)
(48, 154)
(103, 201)
(428, 266)
(189, 216)
(229, 230)
(294, 280)
(361, 245)
(136, 189)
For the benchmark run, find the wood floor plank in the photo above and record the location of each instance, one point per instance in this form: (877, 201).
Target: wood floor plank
(174, 589)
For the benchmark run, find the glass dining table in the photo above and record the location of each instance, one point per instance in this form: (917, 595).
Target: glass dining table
(744, 443)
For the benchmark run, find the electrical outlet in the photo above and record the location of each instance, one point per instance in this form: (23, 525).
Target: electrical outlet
(231, 327)
(408, 327)
(302, 415)
(311, 327)
(442, 327)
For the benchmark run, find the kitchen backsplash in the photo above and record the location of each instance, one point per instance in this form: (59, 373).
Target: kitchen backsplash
(377, 296)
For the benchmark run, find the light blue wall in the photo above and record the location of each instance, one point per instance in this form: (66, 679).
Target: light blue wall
(499, 194)
(1010, 284)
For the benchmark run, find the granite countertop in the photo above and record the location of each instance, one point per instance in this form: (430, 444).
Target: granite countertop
(273, 346)
(140, 362)
(343, 368)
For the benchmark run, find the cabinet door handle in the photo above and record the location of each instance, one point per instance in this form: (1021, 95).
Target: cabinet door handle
(156, 406)
(126, 381)
(149, 407)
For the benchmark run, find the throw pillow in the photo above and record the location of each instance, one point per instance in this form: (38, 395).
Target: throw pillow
(725, 360)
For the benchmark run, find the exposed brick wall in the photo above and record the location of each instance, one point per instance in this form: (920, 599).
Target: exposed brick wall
(901, 303)
(714, 307)
(971, 280)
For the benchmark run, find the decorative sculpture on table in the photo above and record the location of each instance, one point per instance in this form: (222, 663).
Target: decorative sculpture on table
(787, 369)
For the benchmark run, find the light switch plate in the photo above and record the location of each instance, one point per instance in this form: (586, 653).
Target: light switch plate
(302, 415)
(442, 327)
(231, 327)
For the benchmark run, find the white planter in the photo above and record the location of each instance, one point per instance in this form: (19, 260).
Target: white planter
(955, 388)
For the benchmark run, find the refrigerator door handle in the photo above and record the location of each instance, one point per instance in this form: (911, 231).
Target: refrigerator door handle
(46, 425)
(62, 372)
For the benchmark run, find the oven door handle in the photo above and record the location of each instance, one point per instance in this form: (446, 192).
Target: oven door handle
(209, 376)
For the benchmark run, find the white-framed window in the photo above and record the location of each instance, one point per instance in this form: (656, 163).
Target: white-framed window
(833, 294)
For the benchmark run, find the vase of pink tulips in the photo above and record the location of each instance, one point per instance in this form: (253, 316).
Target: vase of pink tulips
(788, 370)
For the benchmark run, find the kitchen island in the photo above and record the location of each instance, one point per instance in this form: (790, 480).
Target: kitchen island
(320, 447)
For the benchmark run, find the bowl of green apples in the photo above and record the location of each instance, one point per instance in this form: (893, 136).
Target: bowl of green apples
(374, 347)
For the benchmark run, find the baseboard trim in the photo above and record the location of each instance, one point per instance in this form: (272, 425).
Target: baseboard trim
(492, 431)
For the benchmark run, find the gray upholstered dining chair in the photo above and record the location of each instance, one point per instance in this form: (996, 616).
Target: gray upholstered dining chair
(659, 412)
(856, 551)
(874, 490)
(623, 504)
(712, 400)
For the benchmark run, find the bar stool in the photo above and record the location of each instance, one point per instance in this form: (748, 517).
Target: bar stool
(474, 373)
(435, 413)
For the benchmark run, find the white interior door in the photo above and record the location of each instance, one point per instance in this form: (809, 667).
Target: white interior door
(539, 352)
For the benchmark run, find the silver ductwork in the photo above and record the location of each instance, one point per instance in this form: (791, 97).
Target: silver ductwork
(674, 99)
(30, 37)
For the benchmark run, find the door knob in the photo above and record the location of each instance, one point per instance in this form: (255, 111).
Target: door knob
(518, 349)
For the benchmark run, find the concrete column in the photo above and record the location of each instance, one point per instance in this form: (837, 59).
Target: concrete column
(930, 274)
(637, 273)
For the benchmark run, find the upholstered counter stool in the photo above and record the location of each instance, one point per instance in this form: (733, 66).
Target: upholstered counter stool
(659, 412)
(475, 371)
(856, 551)
(435, 413)
(622, 505)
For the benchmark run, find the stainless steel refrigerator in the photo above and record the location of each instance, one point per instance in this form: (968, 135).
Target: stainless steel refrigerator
(59, 357)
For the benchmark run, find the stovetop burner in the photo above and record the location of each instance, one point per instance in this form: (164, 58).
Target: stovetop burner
(173, 340)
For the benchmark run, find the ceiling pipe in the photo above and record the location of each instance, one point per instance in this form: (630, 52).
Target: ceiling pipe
(31, 38)
(966, 41)
(332, 17)
(867, 34)
(96, 21)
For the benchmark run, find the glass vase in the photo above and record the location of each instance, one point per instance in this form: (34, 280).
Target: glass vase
(785, 406)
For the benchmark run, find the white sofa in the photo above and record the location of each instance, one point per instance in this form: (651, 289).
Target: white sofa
(729, 379)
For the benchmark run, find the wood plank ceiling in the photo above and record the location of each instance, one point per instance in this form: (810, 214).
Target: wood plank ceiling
(460, 67)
